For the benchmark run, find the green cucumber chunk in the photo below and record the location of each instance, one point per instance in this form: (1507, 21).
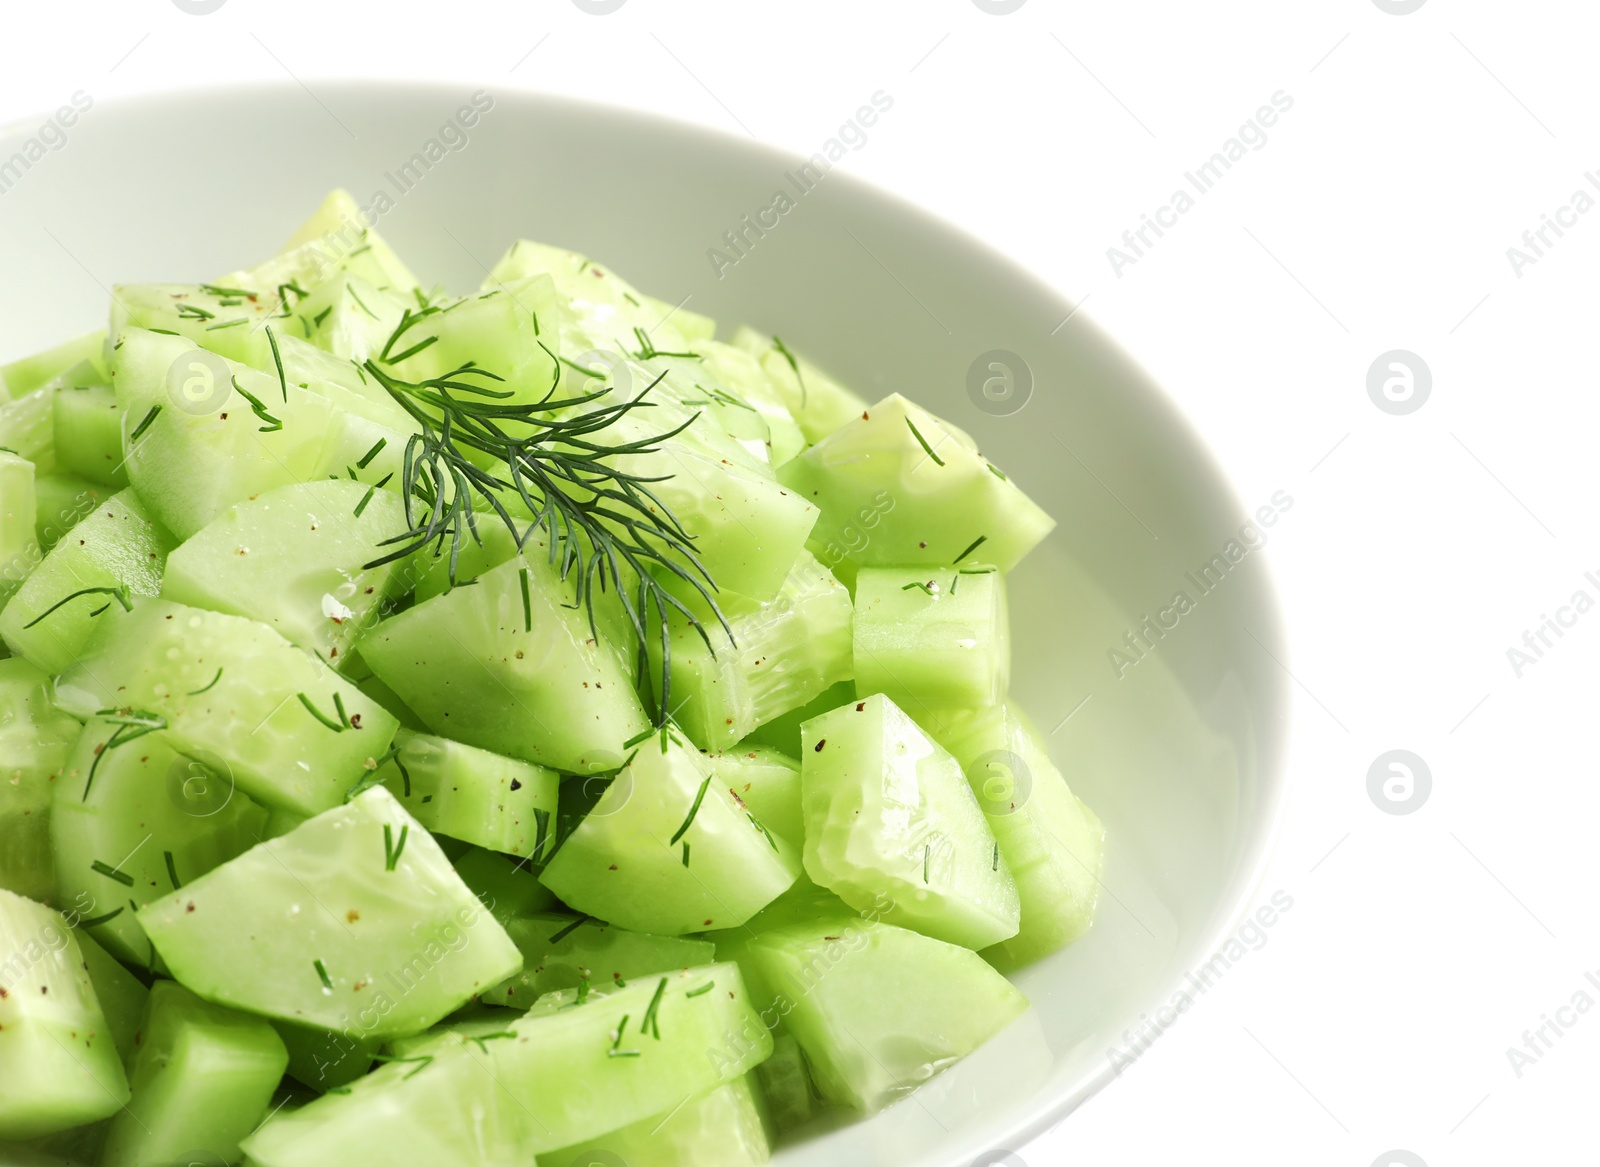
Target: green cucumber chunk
(768, 783)
(87, 421)
(469, 794)
(19, 510)
(61, 502)
(236, 696)
(786, 1084)
(725, 1126)
(528, 681)
(877, 1009)
(36, 739)
(58, 1057)
(783, 653)
(1052, 843)
(68, 596)
(817, 402)
(667, 850)
(498, 331)
(338, 237)
(897, 486)
(27, 427)
(294, 558)
(564, 1076)
(505, 885)
(888, 813)
(561, 952)
(932, 639)
(373, 934)
(231, 326)
(122, 995)
(131, 823)
(202, 1080)
(325, 1059)
(19, 378)
(742, 373)
(782, 733)
(346, 316)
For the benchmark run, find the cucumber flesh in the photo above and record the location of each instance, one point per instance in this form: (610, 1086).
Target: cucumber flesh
(398, 949)
(932, 639)
(817, 402)
(57, 1054)
(768, 783)
(627, 862)
(782, 733)
(347, 317)
(236, 696)
(1052, 843)
(337, 237)
(294, 558)
(119, 545)
(723, 1127)
(27, 427)
(889, 816)
(86, 420)
(877, 1009)
(530, 683)
(742, 373)
(899, 487)
(35, 741)
(234, 327)
(554, 1083)
(19, 508)
(19, 378)
(122, 995)
(203, 1079)
(150, 815)
(561, 952)
(469, 794)
(61, 502)
(510, 331)
(783, 653)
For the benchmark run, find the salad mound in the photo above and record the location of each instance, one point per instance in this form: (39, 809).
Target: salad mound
(497, 728)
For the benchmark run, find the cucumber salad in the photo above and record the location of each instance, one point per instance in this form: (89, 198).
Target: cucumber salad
(506, 728)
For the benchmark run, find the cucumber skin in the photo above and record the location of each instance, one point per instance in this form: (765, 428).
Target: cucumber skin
(888, 813)
(619, 864)
(877, 1009)
(725, 1126)
(605, 953)
(87, 423)
(245, 722)
(1052, 843)
(144, 804)
(551, 1086)
(419, 946)
(202, 1080)
(118, 545)
(478, 669)
(35, 741)
(323, 1059)
(885, 502)
(57, 1055)
(506, 886)
(786, 1083)
(947, 649)
(473, 795)
(783, 654)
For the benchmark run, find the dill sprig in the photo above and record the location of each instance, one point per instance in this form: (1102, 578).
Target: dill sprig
(131, 724)
(694, 809)
(607, 528)
(392, 850)
(118, 593)
(100, 867)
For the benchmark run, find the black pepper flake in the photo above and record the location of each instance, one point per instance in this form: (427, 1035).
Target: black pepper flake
(820, 744)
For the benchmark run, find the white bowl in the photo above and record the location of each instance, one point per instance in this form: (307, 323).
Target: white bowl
(1181, 756)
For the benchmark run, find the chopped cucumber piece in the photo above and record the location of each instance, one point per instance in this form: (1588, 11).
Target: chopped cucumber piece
(61, 502)
(527, 681)
(900, 487)
(87, 422)
(323, 1059)
(1052, 843)
(506, 886)
(338, 237)
(19, 508)
(203, 1079)
(782, 654)
(20, 378)
(122, 995)
(231, 326)
(498, 332)
(877, 1009)
(768, 783)
(563, 1077)
(816, 401)
(667, 850)
(932, 639)
(469, 794)
(235, 695)
(346, 316)
(132, 822)
(57, 1054)
(352, 922)
(562, 952)
(783, 733)
(27, 428)
(889, 814)
(294, 558)
(742, 373)
(85, 583)
(35, 740)
(723, 1127)
(786, 1083)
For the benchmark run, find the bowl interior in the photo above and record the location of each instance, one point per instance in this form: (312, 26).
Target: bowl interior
(1177, 746)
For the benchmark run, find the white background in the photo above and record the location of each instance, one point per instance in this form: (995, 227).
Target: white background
(1376, 217)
